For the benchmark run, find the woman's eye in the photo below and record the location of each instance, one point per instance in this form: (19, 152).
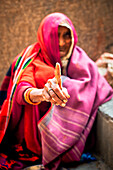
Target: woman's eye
(67, 35)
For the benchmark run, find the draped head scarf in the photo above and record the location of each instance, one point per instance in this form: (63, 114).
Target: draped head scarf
(47, 35)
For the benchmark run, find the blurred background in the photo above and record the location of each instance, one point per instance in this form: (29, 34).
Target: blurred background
(20, 19)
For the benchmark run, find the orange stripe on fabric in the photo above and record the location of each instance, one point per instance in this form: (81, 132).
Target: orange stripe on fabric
(45, 160)
(69, 156)
(45, 128)
(76, 154)
(84, 113)
(61, 130)
(82, 140)
(55, 141)
(50, 147)
(68, 121)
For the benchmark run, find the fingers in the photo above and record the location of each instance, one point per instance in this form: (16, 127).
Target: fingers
(58, 75)
(65, 92)
(53, 90)
(54, 94)
(50, 95)
(58, 94)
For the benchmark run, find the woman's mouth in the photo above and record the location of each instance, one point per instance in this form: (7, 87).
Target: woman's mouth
(62, 53)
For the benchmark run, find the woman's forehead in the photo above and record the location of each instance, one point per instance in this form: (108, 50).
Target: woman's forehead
(63, 29)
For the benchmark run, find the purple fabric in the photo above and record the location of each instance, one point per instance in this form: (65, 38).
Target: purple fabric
(64, 130)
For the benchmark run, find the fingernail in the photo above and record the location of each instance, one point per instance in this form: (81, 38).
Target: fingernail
(68, 96)
(63, 104)
(64, 101)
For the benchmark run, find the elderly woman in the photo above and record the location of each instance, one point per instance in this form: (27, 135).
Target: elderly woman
(45, 118)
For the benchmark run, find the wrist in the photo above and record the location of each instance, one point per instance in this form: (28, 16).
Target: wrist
(36, 95)
(30, 98)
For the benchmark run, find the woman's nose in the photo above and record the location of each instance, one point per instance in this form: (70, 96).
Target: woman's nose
(61, 42)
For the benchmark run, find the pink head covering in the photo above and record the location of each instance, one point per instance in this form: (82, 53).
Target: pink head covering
(47, 35)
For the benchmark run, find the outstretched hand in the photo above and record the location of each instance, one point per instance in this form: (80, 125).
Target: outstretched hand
(53, 90)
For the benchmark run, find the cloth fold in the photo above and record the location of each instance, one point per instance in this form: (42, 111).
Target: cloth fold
(64, 130)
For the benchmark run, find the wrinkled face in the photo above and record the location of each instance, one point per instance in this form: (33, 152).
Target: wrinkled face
(64, 35)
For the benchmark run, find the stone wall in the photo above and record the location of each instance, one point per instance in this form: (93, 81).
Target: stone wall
(19, 21)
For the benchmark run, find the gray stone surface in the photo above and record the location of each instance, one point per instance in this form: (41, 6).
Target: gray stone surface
(107, 109)
(104, 133)
(96, 165)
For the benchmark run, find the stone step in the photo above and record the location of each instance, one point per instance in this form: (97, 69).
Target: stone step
(96, 165)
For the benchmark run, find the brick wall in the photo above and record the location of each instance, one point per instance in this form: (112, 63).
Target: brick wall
(19, 21)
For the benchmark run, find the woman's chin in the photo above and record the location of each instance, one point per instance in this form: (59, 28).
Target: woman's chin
(62, 54)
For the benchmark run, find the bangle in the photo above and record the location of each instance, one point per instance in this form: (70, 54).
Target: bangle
(27, 97)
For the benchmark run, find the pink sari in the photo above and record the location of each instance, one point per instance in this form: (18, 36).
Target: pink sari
(63, 131)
